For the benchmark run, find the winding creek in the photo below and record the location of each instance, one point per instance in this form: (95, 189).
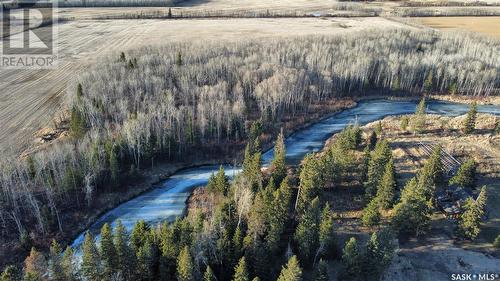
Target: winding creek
(168, 200)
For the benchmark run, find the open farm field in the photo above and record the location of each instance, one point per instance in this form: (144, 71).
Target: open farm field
(30, 98)
(483, 25)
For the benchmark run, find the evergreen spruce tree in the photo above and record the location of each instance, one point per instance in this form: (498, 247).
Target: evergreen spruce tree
(395, 84)
(452, 89)
(185, 267)
(387, 188)
(30, 162)
(379, 159)
(251, 168)
(254, 134)
(121, 59)
(259, 218)
(320, 272)
(431, 174)
(79, 90)
(470, 220)
(291, 271)
(241, 271)
(379, 253)
(247, 160)
(124, 256)
(418, 122)
(209, 275)
(327, 239)
(349, 138)
(412, 214)
(211, 185)
(358, 135)
(77, 123)
(372, 140)
(481, 199)
(30, 276)
(371, 214)
(421, 107)
(365, 163)
(257, 177)
(496, 243)
(178, 59)
(237, 243)
(223, 247)
(307, 232)
(279, 161)
(108, 252)
(257, 256)
(146, 258)
(68, 265)
(10, 273)
(123, 252)
(56, 271)
(466, 174)
(379, 129)
(278, 215)
(469, 124)
(310, 181)
(474, 211)
(139, 235)
(91, 261)
(339, 158)
(351, 258)
(168, 259)
(221, 181)
(131, 64)
(404, 123)
(428, 83)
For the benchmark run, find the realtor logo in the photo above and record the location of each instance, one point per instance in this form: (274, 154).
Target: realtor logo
(28, 35)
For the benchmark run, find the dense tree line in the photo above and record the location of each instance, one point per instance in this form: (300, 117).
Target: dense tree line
(162, 102)
(260, 228)
(446, 11)
(253, 222)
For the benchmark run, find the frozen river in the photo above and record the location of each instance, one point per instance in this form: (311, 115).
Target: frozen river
(169, 200)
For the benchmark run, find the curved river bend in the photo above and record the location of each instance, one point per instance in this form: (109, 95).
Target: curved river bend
(169, 199)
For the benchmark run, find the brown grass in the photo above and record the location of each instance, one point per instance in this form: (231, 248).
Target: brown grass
(484, 25)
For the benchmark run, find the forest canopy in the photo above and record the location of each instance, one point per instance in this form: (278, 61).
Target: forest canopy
(164, 101)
